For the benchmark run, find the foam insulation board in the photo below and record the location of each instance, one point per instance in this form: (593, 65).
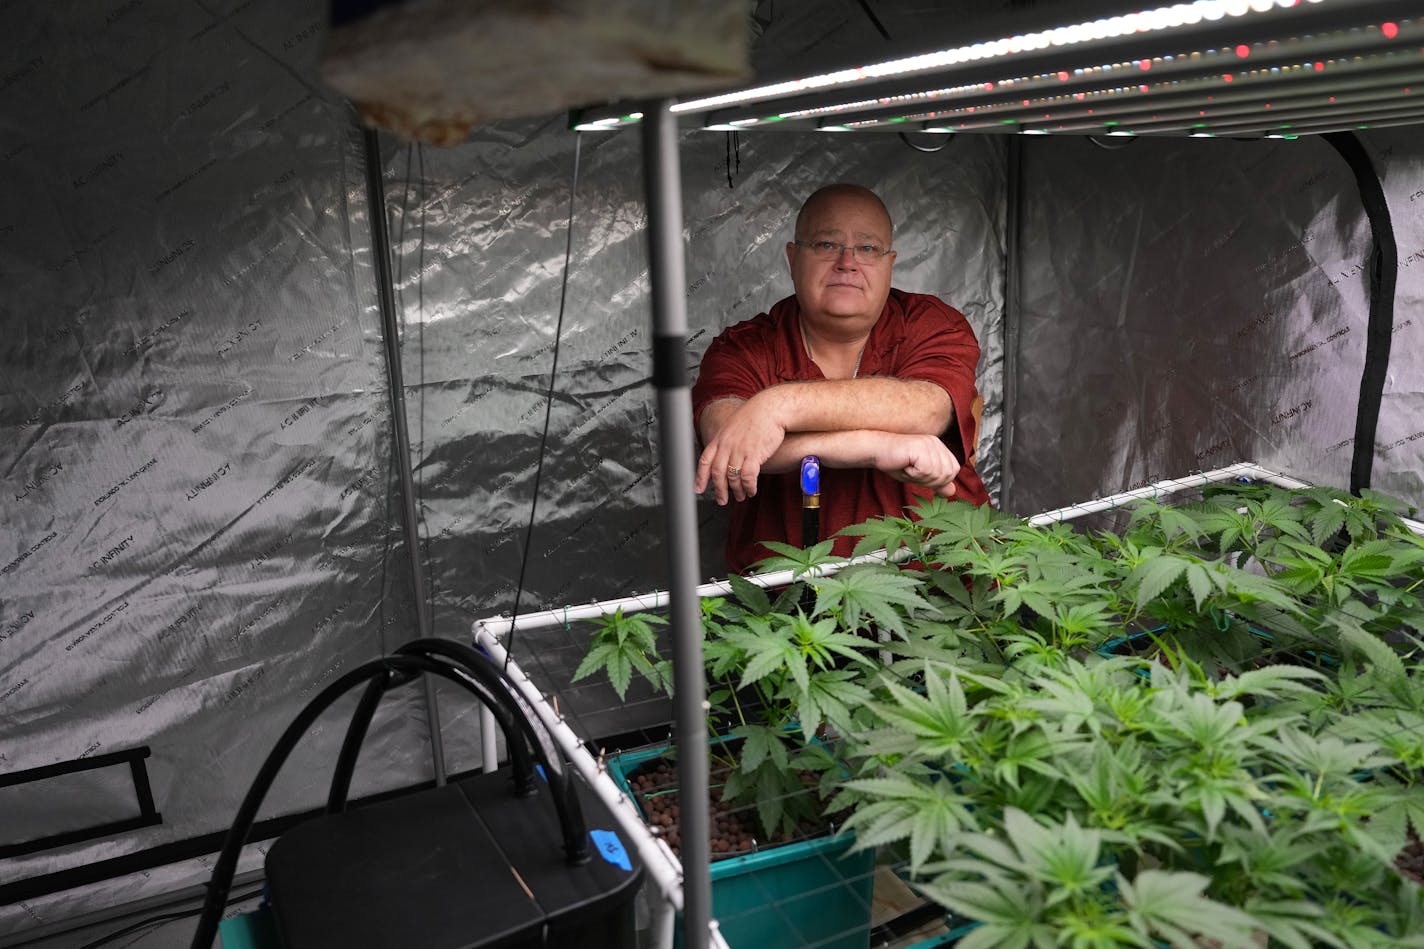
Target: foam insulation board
(431, 70)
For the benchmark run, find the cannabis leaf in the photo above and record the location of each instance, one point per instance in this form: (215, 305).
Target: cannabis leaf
(1010, 918)
(830, 696)
(1159, 571)
(1294, 923)
(1266, 682)
(891, 533)
(930, 815)
(884, 596)
(939, 720)
(1171, 906)
(800, 562)
(753, 597)
(621, 644)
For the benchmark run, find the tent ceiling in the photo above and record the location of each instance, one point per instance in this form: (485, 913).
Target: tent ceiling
(1239, 68)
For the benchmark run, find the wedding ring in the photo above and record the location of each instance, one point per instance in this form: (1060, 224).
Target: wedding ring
(734, 471)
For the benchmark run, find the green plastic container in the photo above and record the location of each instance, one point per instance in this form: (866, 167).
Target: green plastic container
(795, 895)
(253, 930)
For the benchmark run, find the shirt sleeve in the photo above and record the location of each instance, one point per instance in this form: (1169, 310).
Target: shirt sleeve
(940, 347)
(734, 367)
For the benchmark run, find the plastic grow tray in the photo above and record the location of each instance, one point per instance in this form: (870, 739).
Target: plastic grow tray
(806, 893)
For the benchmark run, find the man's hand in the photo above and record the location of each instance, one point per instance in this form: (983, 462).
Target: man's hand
(743, 435)
(916, 459)
(839, 420)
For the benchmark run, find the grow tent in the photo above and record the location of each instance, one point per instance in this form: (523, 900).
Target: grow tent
(192, 300)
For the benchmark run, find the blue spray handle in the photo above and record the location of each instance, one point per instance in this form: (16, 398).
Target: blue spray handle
(810, 500)
(810, 477)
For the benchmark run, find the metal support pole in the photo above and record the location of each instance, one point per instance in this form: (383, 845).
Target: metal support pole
(662, 184)
(385, 286)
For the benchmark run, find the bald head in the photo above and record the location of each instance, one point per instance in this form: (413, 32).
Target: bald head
(831, 195)
(841, 262)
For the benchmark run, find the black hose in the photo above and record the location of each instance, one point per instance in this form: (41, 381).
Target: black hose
(494, 678)
(221, 882)
(469, 669)
(1379, 334)
(355, 738)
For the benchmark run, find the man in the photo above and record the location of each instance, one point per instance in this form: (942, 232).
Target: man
(876, 382)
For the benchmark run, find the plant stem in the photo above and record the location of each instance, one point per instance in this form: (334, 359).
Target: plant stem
(741, 715)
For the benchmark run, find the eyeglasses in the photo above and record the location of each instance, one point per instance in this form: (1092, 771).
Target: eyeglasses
(832, 250)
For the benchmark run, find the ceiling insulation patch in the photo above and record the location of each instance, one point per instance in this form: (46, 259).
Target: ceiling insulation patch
(431, 70)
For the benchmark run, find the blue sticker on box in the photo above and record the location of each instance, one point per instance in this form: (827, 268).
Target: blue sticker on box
(610, 848)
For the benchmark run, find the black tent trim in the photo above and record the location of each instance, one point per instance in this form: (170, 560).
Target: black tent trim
(1384, 273)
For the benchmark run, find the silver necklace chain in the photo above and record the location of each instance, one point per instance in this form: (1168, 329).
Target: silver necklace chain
(806, 341)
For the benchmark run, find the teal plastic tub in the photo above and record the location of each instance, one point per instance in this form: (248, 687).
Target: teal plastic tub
(803, 894)
(253, 930)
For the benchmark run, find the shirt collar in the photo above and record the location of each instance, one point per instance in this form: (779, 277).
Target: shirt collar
(793, 362)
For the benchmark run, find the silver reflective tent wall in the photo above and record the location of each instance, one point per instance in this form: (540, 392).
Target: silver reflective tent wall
(201, 500)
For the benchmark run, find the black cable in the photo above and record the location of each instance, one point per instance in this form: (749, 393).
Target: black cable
(355, 737)
(1379, 332)
(548, 403)
(390, 466)
(920, 148)
(161, 918)
(874, 20)
(885, 34)
(492, 694)
(236, 837)
(1121, 142)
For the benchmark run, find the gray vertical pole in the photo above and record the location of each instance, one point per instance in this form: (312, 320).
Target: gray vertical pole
(385, 285)
(663, 186)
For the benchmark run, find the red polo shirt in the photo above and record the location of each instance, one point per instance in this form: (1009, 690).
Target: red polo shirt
(917, 337)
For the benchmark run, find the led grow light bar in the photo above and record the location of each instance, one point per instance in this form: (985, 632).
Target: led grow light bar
(1258, 113)
(1205, 101)
(1128, 54)
(1193, 100)
(1293, 65)
(1145, 21)
(1136, 52)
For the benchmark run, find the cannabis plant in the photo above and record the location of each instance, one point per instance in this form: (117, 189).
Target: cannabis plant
(784, 670)
(1248, 574)
(624, 644)
(1196, 794)
(1077, 804)
(1249, 771)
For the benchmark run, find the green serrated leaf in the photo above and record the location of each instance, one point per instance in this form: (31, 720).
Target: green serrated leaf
(1385, 661)
(751, 596)
(1156, 575)
(1200, 583)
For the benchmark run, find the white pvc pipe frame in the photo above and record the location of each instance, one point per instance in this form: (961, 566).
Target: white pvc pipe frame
(638, 602)
(657, 857)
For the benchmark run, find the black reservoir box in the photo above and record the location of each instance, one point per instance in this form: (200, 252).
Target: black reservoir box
(464, 866)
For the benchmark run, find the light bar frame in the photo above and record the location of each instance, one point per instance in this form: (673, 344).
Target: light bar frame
(1276, 48)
